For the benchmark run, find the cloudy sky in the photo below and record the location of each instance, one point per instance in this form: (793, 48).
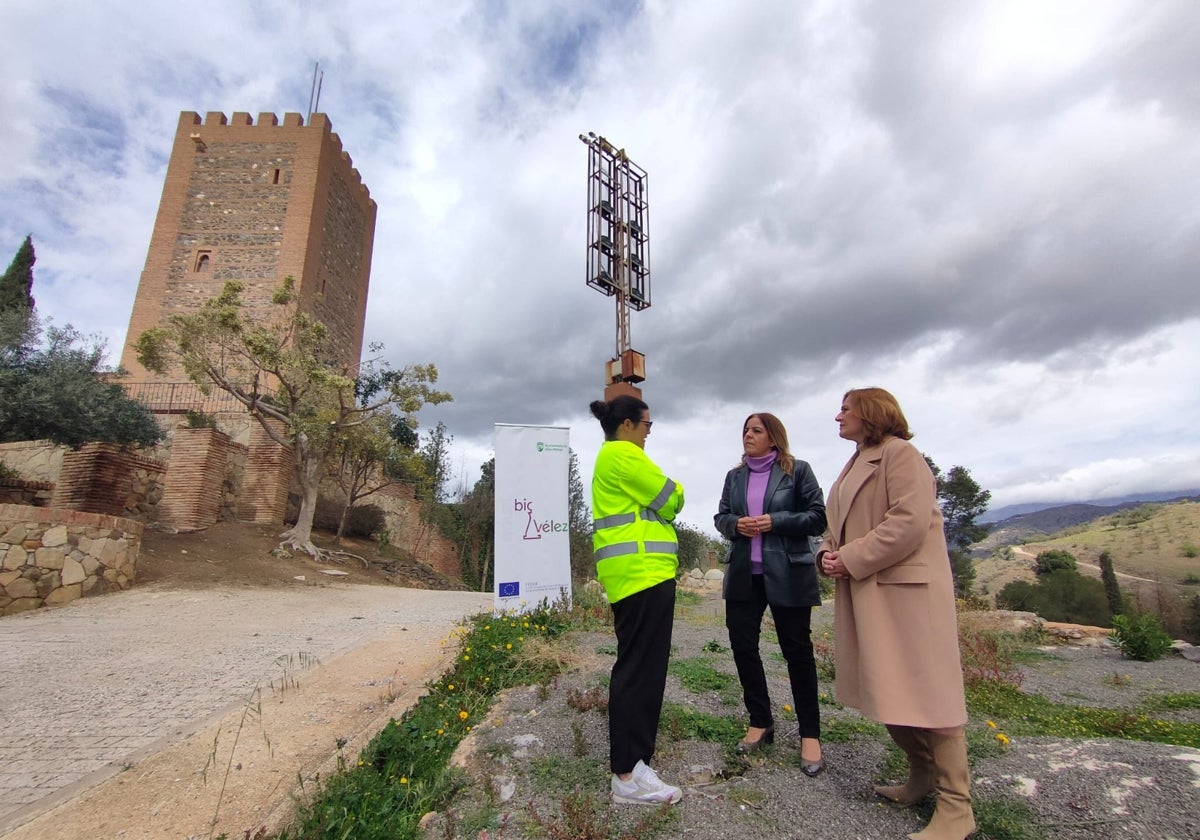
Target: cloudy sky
(991, 209)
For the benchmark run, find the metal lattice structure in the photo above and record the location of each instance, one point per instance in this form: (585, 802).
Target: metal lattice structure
(618, 249)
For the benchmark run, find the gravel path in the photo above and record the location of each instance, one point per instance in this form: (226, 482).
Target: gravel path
(98, 687)
(537, 749)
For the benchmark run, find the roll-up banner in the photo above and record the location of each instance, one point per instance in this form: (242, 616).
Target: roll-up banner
(533, 550)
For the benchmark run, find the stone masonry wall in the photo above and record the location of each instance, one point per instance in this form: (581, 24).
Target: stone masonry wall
(20, 492)
(402, 512)
(51, 556)
(257, 201)
(35, 460)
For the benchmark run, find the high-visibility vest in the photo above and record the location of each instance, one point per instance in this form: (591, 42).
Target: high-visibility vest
(633, 505)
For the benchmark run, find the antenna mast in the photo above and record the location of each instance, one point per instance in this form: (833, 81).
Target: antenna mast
(314, 92)
(618, 252)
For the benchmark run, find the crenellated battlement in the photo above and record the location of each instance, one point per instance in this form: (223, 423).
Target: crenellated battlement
(217, 121)
(257, 198)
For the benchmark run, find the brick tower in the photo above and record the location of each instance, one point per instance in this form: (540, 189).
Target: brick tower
(256, 202)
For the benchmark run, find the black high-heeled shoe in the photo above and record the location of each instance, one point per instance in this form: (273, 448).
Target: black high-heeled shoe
(812, 769)
(745, 747)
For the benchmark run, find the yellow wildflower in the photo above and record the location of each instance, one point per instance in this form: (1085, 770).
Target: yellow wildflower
(463, 715)
(1002, 738)
(991, 724)
(787, 707)
(404, 780)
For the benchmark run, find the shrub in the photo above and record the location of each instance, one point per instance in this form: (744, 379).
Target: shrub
(364, 520)
(1140, 636)
(1061, 595)
(1054, 560)
(7, 473)
(197, 419)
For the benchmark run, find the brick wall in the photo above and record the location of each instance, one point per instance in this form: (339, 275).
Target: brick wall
(268, 475)
(201, 479)
(103, 478)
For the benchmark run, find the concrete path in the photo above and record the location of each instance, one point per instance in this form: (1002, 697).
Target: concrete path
(91, 688)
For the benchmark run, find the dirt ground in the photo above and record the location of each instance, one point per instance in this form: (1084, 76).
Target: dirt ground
(242, 771)
(241, 554)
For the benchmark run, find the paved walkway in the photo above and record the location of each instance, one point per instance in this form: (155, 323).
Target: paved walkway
(92, 687)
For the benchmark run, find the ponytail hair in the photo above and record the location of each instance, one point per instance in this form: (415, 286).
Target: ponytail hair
(616, 411)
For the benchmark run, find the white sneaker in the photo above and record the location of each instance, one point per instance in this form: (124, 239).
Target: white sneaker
(644, 788)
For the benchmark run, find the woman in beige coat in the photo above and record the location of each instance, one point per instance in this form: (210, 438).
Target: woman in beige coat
(895, 627)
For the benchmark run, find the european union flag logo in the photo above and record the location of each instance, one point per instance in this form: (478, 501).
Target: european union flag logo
(512, 589)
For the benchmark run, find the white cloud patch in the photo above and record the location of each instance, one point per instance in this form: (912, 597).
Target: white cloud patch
(985, 208)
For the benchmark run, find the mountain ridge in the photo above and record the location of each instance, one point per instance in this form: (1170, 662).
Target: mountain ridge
(1100, 506)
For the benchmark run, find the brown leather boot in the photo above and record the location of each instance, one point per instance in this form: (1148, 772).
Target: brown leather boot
(920, 767)
(952, 818)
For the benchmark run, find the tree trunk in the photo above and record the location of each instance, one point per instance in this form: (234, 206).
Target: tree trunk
(299, 536)
(342, 523)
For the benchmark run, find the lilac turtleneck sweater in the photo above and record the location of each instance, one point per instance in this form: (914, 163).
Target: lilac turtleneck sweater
(756, 492)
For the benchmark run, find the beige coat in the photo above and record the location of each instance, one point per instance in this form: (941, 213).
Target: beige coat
(896, 632)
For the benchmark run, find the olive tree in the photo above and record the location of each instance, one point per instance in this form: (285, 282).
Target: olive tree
(279, 370)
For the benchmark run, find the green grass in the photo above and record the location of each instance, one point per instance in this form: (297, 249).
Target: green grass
(1004, 818)
(560, 774)
(1171, 702)
(699, 676)
(1030, 714)
(403, 772)
(679, 723)
(588, 817)
(843, 730)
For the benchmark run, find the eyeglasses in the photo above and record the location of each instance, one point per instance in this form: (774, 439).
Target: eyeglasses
(648, 423)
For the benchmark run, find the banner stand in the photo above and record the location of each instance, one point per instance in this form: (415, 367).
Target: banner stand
(533, 548)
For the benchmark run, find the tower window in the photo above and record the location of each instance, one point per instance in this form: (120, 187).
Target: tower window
(203, 262)
(275, 177)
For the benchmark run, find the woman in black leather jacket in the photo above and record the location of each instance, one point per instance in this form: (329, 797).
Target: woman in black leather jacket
(770, 507)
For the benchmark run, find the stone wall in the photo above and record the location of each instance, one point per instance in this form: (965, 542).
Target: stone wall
(21, 492)
(402, 513)
(35, 460)
(51, 556)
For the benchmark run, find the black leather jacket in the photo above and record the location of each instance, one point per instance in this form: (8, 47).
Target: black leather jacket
(797, 509)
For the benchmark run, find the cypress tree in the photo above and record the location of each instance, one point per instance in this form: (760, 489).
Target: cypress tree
(16, 284)
(1112, 590)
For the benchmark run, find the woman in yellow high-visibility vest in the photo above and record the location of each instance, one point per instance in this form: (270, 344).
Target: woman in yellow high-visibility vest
(636, 550)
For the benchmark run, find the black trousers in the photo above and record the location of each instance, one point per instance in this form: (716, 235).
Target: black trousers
(743, 619)
(643, 623)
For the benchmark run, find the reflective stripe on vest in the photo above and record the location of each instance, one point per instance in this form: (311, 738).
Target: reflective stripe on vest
(618, 519)
(614, 520)
(622, 549)
(662, 498)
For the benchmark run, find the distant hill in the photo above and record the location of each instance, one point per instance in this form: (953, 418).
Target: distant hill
(1052, 520)
(1100, 506)
(1154, 544)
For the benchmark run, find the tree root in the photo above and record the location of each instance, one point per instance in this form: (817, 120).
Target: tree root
(333, 557)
